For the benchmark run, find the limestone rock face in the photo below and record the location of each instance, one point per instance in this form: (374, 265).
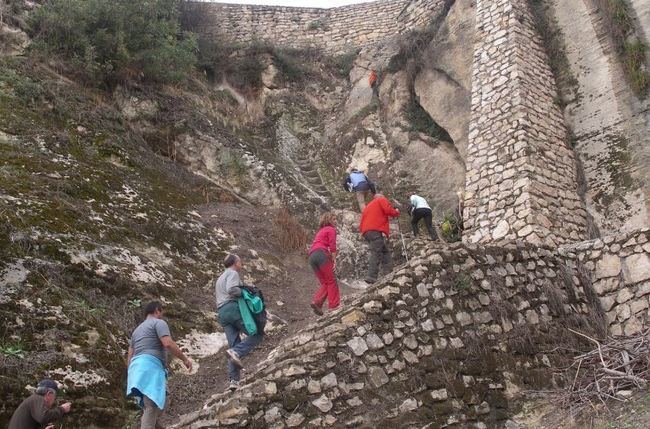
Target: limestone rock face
(438, 170)
(444, 86)
(608, 121)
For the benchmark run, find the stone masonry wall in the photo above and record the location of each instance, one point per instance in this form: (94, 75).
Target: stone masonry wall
(521, 178)
(448, 339)
(335, 30)
(619, 268)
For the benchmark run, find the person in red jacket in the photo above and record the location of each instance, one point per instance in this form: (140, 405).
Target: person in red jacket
(322, 259)
(375, 229)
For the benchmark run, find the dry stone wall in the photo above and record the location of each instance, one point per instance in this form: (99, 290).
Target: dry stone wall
(619, 268)
(521, 178)
(335, 30)
(448, 339)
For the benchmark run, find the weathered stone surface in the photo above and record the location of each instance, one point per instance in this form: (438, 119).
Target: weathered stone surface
(295, 420)
(608, 266)
(636, 268)
(439, 395)
(377, 376)
(358, 346)
(328, 381)
(374, 342)
(408, 405)
(323, 403)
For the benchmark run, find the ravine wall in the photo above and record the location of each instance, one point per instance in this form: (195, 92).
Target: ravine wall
(335, 30)
(619, 269)
(521, 178)
(611, 133)
(450, 339)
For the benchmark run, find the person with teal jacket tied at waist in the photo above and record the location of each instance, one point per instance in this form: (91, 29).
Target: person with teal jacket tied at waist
(147, 359)
(231, 296)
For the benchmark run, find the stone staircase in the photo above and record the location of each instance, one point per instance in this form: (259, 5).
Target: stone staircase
(313, 180)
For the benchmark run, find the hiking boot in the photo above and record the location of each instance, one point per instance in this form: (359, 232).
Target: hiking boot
(234, 357)
(317, 309)
(234, 385)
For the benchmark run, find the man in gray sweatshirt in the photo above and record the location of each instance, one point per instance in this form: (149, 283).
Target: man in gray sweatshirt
(227, 290)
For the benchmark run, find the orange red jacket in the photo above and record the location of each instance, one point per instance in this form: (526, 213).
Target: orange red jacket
(375, 215)
(372, 79)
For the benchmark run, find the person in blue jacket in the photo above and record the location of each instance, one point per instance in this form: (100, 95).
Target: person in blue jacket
(359, 183)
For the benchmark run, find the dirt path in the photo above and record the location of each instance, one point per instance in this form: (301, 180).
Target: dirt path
(288, 295)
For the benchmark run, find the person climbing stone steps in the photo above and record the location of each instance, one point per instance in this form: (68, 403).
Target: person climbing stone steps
(359, 183)
(322, 259)
(420, 209)
(228, 289)
(375, 229)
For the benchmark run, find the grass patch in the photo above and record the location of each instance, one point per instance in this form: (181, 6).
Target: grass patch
(462, 282)
(621, 26)
(341, 65)
(13, 350)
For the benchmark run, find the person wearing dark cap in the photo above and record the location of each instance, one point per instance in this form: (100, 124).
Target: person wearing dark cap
(39, 409)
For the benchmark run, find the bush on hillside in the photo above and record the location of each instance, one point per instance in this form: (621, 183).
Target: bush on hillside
(112, 40)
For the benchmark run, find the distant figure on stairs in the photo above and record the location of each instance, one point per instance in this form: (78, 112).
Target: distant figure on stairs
(359, 183)
(322, 259)
(372, 81)
(375, 230)
(421, 210)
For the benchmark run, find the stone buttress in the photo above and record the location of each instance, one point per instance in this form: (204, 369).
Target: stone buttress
(521, 178)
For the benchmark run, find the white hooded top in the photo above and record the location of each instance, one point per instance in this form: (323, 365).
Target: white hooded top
(418, 202)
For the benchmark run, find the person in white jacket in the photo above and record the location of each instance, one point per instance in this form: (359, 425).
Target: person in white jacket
(421, 210)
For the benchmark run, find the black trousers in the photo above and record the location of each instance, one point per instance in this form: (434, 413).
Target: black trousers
(423, 213)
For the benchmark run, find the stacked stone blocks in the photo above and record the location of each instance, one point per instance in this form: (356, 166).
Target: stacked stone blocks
(334, 30)
(619, 268)
(521, 178)
(448, 338)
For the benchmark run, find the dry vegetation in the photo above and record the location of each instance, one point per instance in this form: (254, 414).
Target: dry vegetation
(290, 233)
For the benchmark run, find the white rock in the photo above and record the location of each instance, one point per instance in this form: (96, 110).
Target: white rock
(501, 230)
(324, 404)
(608, 266)
(358, 346)
(439, 395)
(636, 268)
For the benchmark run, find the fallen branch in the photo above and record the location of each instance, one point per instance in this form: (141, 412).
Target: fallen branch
(614, 365)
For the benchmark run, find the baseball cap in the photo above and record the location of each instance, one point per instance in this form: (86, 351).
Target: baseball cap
(50, 384)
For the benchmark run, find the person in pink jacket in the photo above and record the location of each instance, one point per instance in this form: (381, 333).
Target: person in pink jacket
(322, 259)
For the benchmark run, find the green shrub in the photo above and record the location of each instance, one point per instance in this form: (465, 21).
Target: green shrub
(113, 40)
(315, 25)
(451, 227)
(341, 65)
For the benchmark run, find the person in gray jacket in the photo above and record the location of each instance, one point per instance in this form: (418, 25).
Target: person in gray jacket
(228, 289)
